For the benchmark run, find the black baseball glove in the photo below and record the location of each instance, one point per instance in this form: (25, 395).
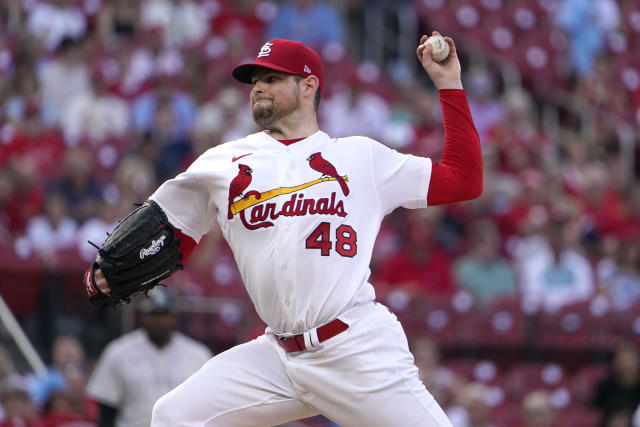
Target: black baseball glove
(142, 250)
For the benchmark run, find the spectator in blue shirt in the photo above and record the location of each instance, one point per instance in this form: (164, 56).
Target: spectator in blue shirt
(145, 108)
(587, 22)
(313, 22)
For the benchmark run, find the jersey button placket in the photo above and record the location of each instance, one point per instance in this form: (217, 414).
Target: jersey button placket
(286, 286)
(292, 244)
(289, 181)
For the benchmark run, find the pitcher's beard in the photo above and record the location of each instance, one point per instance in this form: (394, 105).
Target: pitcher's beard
(266, 115)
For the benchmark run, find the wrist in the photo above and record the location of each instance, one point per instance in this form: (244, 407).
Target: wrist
(450, 84)
(456, 92)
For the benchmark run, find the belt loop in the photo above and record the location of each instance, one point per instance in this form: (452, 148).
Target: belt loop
(311, 340)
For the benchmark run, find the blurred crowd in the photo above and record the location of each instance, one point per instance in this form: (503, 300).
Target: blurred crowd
(103, 100)
(121, 387)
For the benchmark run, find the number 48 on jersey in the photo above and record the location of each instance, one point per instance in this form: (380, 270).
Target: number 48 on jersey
(346, 240)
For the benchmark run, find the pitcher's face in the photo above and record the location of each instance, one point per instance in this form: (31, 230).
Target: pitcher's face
(274, 95)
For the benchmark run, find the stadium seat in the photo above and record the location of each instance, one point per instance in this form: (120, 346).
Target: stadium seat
(107, 155)
(436, 319)
(490, 6)
(537, 59)
(566, 329)
(627, 323)
(71, 266)
(20, 282)
(501, 326)
(507, 415)
(502, 41)
(523, 377)
(467, 16)
(583, 383)
(484, 371)
(524, 18)
(585, 324)
(510, 304)
(579, 417)
(435, 13)
(464, 368)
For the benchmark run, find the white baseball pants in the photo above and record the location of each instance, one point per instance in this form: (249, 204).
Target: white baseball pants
(364, 376)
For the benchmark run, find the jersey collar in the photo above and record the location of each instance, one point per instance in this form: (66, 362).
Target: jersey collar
(289, 142)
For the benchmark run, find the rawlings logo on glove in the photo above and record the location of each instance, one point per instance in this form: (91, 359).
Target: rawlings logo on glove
(129, 263)
(153, 249)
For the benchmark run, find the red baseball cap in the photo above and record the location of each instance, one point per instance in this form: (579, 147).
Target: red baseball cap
(283, 55)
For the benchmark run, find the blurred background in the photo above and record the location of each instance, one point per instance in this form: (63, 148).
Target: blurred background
(522, 307)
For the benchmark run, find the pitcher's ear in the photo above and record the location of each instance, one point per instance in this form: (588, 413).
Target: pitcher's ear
(312, 83)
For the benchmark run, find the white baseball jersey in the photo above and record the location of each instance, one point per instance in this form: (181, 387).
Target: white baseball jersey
(132, 374)
(301, 219)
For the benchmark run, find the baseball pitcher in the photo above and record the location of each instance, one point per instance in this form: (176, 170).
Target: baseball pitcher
(301, 211)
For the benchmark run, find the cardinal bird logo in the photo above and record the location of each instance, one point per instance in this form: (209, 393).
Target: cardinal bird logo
(322, 165)
(238, 185)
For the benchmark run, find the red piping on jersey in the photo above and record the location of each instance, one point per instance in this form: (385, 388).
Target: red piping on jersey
(291, 141)
(458, 177)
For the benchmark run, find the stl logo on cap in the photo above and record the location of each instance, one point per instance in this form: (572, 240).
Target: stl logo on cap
(265, 50)
(285, 56)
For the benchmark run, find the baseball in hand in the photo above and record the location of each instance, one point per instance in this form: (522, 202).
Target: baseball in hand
(439, 48)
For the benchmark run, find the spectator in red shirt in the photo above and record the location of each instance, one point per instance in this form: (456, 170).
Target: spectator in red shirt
(25, 132)
(43, 146)
(19, 410)
(598, 193)
(71, 407)
(421, 270)
(427, 123)
(241, 23)
(26, 198)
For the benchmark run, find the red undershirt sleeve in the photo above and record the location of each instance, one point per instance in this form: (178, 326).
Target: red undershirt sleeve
(458, 176)
(187, 244)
